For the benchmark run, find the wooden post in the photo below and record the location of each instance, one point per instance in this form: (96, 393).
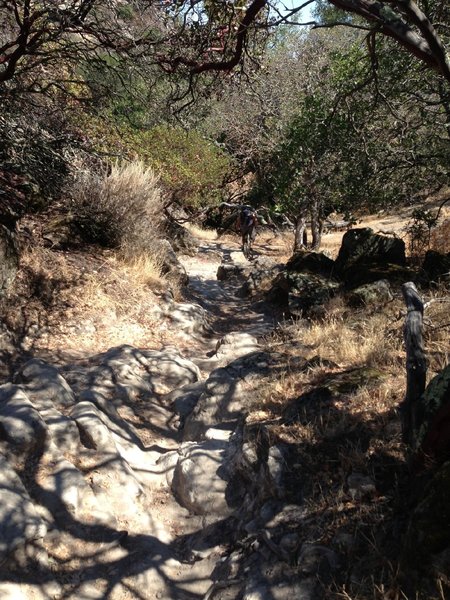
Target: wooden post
(416, 364)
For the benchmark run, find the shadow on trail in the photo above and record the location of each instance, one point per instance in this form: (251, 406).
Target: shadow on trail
(140, 555)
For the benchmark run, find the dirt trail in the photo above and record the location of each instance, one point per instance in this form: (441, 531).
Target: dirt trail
(227, 310)
(137, 549)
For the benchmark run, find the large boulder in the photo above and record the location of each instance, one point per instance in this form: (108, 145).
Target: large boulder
(261, 277)
(432, 419)
(171, 266)
(311, 262)
(376, 293)
(200, 478)
(305, 285)
(436, 265)
(181, 239)
(365, 256)
(308, 293)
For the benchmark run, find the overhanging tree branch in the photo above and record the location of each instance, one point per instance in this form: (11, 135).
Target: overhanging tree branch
(427, 46)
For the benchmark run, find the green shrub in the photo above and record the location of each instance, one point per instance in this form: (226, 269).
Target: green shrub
(121, 209)
(192, 169)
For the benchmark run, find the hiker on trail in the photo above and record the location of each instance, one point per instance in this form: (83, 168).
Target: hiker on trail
(246, 225)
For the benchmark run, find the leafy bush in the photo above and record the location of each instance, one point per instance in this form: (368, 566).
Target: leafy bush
(192, 169)
(419, 231)
(120, 209)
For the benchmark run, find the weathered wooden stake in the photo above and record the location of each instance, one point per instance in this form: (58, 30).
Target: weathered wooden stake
(416, 364)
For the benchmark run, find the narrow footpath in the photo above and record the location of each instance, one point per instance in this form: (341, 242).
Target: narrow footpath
(123, 470)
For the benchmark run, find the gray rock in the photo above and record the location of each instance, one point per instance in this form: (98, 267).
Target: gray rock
(276, 465)
(20, 421)
(226, 271)
(198, 481)
(116, 486)
(431, 417)
(46, 388)
(236, 344)
(19, 521)
(124, 373)
(65, 489)
(378, 292)
(94, 433)
(365, 257)
(292, 588)
(315, 263)
(261, 278)
(360, 486)
(427, 538)
(344, 541)
(308, 291)
(229, 392)
(315, 559)
(290, 542)
(170, 369)
(44, 383)
(167, 463)
(181, 239)
(183, 399)
(221, 401)
(187, 317)
(63, 431)
(289, 515)
(171, 266)
(64, 486)
(362, 245)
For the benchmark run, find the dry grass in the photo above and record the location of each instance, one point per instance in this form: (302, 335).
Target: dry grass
(362, 342)
(278, 245)
(201, 233)
(345, 431)
(141, 271)
(79, 302)
(119, 208)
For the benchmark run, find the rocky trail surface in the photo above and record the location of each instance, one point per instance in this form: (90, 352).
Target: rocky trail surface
(130, 474)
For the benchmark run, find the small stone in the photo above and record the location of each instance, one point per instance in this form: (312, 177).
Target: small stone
(360, 486)
(290, 542)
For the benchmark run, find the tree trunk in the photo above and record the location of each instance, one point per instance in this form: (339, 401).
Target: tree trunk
(416, 364)
(316, 227)
(299, 234)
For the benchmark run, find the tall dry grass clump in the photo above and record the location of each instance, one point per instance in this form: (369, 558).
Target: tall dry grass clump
(119, 208)
(354, 343)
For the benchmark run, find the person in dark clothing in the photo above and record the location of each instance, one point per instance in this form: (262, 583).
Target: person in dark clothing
(246, 225)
